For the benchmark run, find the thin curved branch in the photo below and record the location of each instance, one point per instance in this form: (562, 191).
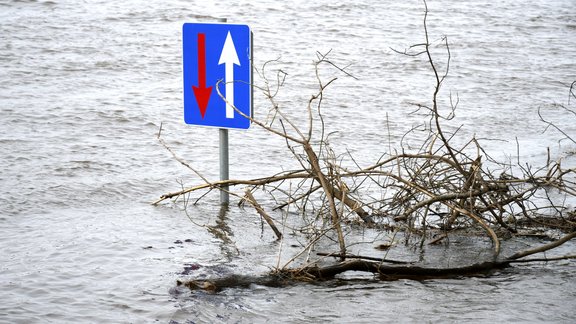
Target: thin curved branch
(543, 248)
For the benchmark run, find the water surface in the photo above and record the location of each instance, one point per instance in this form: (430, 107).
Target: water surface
(84, 87)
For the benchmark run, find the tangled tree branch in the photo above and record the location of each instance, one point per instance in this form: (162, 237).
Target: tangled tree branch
(438, 188)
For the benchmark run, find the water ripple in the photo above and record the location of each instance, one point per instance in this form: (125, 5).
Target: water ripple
(85, 86)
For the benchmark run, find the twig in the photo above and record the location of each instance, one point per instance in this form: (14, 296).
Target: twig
(559, 258)
(354, 256)
(543, 248)
(262, 213)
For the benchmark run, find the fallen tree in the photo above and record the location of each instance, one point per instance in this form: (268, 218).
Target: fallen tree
(379, 267)
(436, 190)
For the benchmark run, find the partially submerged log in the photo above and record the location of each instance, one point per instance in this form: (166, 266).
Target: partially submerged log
(380, 268)
(387, 272)
(214, 285)
(383, 272)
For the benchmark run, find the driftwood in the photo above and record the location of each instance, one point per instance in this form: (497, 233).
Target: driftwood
(401, 270)
(437, 187)
(382, 272)
(387, 272)
(235, 281)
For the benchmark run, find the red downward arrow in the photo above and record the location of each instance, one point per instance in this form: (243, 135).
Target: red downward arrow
(202, 93)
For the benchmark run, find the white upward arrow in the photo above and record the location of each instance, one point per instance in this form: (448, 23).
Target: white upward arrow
(229, 57)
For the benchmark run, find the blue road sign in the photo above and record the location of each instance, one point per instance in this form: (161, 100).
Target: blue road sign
(213, 53)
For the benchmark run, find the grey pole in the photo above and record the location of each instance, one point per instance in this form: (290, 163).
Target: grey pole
(224, 170)
(224, 161)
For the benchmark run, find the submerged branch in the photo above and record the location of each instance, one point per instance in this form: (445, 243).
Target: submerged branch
(222, 183)
(262, 213)
(543, 248)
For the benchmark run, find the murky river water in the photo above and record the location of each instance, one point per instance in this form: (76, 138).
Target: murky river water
(84, 86)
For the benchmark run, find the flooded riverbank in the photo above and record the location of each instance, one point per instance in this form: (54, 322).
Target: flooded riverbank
(86, 85)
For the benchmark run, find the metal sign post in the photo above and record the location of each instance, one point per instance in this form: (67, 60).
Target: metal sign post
(224, 166)
(218, 55)
(224, 161)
